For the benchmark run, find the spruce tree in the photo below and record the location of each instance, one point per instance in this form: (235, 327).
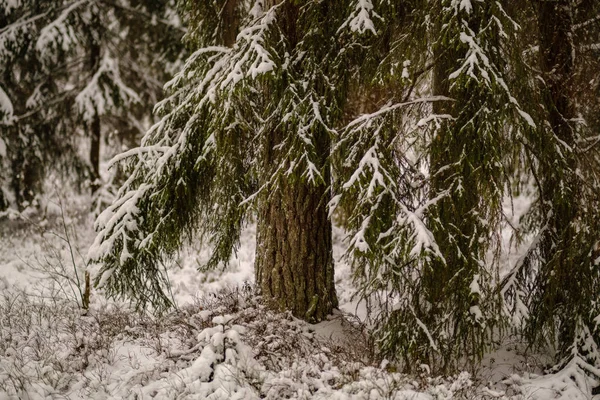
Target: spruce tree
(556, 282)
(468, 179)
(247, 127)
(424, 204)
(410, 121)
(78, 68)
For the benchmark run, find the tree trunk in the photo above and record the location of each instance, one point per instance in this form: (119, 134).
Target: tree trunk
(561, 273)
(457, 214)
(454, 223)
(28, 176)
(459, 154)
(230, 22)
(95, 132)
(94, 127)
(294, 259)
(437, 276)
(85, 296)
(95, 136)
(557, 51)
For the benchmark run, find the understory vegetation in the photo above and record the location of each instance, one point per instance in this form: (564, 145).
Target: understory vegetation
(222, 342)
(225, 346)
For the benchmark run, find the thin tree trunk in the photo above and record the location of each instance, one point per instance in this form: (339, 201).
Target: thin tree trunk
(95, 134)
(29, 179)
(85, 300)
(94, 126)
(456, 214)
(457, 154)
(436, 277)
(557, 51)
(446, 283)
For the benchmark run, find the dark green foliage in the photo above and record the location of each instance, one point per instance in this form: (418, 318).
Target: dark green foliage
(425, 209)
(558, 278)
(467, 164)
(202, 167)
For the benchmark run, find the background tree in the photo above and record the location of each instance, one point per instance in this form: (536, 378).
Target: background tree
(425, 201)
(79, 68)
(556, 281)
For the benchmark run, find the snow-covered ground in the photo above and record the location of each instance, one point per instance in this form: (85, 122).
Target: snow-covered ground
(220, 344)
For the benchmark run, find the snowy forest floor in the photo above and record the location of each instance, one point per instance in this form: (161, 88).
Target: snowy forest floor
(220, 343)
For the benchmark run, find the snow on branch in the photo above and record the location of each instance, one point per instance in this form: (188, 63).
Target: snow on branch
(216, 70)
(97, 98)
(374, 176)
(58, 34)
(117, 222)
(170, 184)
(137, 151)
(475, 56)
(11, 35)
(360, 19)
(367, 118)
(248, 59)
(304, 115)
(476, 64)
(9, 5)
(462, 5)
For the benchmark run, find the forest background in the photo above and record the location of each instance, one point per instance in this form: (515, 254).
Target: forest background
(446, 150)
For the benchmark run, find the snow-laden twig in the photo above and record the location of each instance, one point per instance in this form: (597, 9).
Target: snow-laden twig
(97, 98)
(58, 32)
(361, 18)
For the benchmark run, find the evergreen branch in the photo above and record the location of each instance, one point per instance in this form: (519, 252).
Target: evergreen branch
(48, 32)
(58, 99)
(22, 22)
(141, 13)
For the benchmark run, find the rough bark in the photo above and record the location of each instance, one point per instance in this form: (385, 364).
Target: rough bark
(294, 261)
